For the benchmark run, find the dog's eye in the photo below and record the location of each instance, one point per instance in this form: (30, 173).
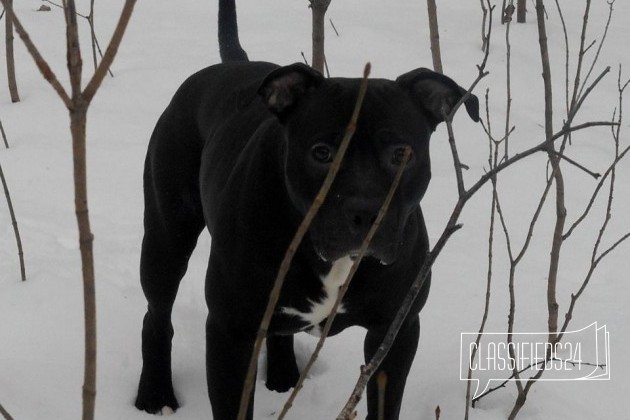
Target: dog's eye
(322, 153)
(399, 155)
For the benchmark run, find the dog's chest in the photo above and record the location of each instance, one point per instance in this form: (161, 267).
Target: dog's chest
(319, 309)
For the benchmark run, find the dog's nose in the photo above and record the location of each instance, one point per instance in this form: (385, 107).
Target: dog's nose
(360, 218)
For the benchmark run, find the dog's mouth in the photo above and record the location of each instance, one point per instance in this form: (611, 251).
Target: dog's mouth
(329, 254)
(334, 236)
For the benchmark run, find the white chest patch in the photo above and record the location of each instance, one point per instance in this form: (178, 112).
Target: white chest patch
(320, 310)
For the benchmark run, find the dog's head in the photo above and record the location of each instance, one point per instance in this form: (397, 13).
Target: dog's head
(314, 112)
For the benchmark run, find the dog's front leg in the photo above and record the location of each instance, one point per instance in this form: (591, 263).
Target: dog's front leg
(396, 366)
(228, 351)
(282, 370)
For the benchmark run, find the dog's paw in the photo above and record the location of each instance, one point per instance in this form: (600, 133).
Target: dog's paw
(281, 380)
(156, 400)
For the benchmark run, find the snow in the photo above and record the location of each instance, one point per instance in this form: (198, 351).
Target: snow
(41, 327)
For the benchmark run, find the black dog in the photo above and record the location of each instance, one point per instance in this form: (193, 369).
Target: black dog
(243, 148)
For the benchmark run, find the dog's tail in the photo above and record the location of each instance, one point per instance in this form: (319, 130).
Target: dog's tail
(229, 45)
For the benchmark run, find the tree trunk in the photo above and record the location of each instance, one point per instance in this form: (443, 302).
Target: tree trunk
(521, 10)
(15, 97)
(77, 127)
(77, 105)
(558, 178)
(435, 36)
(318, 8)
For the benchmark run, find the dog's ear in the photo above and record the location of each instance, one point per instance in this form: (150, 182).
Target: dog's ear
(436, 94)
(285, 86)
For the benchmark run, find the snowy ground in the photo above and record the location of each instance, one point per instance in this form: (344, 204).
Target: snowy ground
(41, 328)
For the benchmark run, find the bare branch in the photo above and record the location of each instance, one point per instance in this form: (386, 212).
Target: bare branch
(16, 230)
(588, 207)
(451, 227)
(578, 71)
(297, 239)
(368, 370)
(576, 106)
(318, 9)
(530, 366)
(508, 80)
(461, 190)
(540, 147)
(5, 413)
(13, 89)
(566, 56)
(4, 136)
(492, 160)
(576, 164)
(484, 40)
(333, 26)
(61, 7)
(344, 287)
(41, 63)
(435, 36)
(601, 44)
(110, 52)
(75, 63)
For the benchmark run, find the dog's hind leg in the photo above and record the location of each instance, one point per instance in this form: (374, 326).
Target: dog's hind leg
(172, 222)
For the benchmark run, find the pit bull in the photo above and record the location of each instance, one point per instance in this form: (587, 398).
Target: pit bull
(242, 149)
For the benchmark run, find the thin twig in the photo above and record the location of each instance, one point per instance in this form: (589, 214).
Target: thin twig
(595, 259)
(61, 7)
(110, 52)
(381, 383)
(5, 413)
(461, 189)
(4, 136)
(297, 239)
(41, 63)
(601, 44)
(90, 19)
(538, 148)
(508, 80)
(578, 71)
(612, 247)
(492, 161)
(344, 287)
(530, 366)
(451, 227)
(588, 207)
(333, 26)
(576, 164)
(566, 56)
(16, 230)
(484, 41)
(368, 370)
